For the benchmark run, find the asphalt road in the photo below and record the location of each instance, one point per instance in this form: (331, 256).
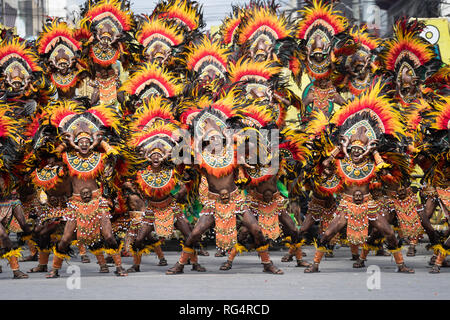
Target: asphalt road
(337, 280)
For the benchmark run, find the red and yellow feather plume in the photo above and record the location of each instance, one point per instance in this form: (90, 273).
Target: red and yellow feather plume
(440, 79)
(156, 107)
(110, 9)
(264, 19)
(408, 43)
(158, 129)
(388, 119)
(32, 127)
(189, 108)
(441, 117)
(317, 124)
(157, 28)
(364, 39)
(224, 104)
(293, 145)
(413, 121)
(8, 124)
(320, 14)
(11, 50)
(248, 70)
(107, 116)
(82, 34)
(61, 111)
(229, 29)
(185, 12)
(166, 82)
(54, 33)
(208, 52)
(255, 115)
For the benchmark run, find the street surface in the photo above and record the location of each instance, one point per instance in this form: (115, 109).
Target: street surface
(337, 280)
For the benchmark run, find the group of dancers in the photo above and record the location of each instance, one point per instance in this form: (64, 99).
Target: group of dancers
(120, 131)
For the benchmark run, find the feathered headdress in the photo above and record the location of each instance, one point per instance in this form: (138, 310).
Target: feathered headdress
(317, 124)
(151, 79)
(15, 54)
(10, 137)
(355, 72)
(407, 49)
(157, 132)
(157, 31)
(441, 116)
(69, 116)
(57, 35)
(320, 16)
(263, 22)
(186, 13)
(113, 20)
(57, 44)
(255, 115)
(10, 149)
(371, 110)
(228, 30)
(436, 144)
(225, 105)
(209, 57)
(318, 27)
(246, 70)
(257, 79)
(292, 145)
(363, 39)
(111, 12)
(156, 107)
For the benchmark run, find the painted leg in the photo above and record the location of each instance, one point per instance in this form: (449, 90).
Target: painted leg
(43, 261)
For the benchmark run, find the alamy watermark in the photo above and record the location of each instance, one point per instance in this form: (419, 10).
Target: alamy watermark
(374, 280)
(74, 281)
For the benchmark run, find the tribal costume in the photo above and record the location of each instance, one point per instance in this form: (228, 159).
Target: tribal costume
(23, 81)
(225, 216)
(321, 185)
(357, 71)
(90, 161)
(437, 147)
(186, 14)
(218, 163)
(408, 219)
(159, 40)
(9, 207)
(156, 179)
(360, 123)
(61, 52)
(407, 60)
(105, 33)
(321, 31)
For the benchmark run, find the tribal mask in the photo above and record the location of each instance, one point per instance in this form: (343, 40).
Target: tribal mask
(158, 39)
(318, 28)
(405, 55)
(17, 64)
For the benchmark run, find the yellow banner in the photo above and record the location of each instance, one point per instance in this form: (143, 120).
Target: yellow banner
(437, 32)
